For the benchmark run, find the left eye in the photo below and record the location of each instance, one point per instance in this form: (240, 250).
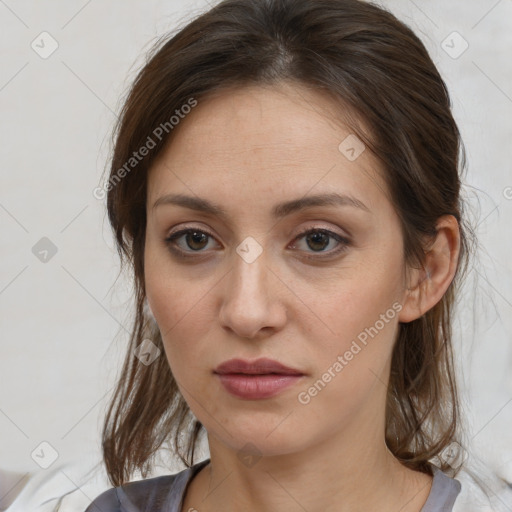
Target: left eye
(318, 239)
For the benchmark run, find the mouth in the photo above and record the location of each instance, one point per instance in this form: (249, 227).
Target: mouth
(262, 366)
(256, 380)
(256, 387)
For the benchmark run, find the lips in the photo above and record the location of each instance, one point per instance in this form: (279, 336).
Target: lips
(262, 366)
(256, 380)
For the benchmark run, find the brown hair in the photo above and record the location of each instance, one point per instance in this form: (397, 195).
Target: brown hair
(363, 57)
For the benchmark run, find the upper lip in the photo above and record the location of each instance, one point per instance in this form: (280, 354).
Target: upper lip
(260, 366)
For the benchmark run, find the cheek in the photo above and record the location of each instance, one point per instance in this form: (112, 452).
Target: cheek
(353, 299)
(174, 303)
(182, 308)
(351, 367)
(359, 317)
(169, 294)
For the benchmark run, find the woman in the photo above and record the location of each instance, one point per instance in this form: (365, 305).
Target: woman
(285, 185)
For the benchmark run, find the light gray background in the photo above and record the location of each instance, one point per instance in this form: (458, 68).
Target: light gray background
(60, 318)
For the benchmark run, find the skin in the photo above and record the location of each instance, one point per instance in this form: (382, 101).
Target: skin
(248, 149)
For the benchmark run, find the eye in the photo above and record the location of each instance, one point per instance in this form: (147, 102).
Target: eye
(318, 239)
(195, 239)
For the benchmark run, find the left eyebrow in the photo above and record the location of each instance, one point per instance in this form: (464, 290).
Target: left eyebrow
(333, 199)
(280, 210)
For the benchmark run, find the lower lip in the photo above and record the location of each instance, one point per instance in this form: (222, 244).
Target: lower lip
(255, 387)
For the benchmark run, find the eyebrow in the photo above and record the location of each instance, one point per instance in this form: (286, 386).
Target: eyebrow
(278, 211)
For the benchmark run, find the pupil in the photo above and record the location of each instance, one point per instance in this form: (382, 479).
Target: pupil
(193, 236)
(315, 237)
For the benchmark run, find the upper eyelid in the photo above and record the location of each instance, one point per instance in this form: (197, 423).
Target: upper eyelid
(184, 229)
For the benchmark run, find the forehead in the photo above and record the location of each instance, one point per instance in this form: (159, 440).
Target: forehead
(263, 140)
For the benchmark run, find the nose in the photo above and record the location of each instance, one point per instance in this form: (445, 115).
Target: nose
(252, 305)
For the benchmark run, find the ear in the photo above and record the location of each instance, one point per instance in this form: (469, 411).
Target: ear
(427, 286)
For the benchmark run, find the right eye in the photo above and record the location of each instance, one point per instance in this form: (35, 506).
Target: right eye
(194, 239)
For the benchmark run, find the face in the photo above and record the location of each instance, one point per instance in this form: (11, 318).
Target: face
(317, 288)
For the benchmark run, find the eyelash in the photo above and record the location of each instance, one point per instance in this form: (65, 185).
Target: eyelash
(344, 242)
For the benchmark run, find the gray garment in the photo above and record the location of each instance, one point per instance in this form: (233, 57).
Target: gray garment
(443, 493)
(165, 493)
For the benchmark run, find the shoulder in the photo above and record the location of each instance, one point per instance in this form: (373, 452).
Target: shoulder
(158, 494)
(151, 494)
(472, 489)
(107, 501)
(443, 493)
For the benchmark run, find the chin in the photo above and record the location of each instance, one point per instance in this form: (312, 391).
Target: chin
(248, 439)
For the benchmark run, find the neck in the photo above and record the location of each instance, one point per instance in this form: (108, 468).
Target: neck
(353, 473)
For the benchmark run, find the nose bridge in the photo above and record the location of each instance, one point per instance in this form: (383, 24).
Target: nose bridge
(249, 273)
(248, 305)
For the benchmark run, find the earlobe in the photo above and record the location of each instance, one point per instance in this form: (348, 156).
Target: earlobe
(413, 301)
(428, 284)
